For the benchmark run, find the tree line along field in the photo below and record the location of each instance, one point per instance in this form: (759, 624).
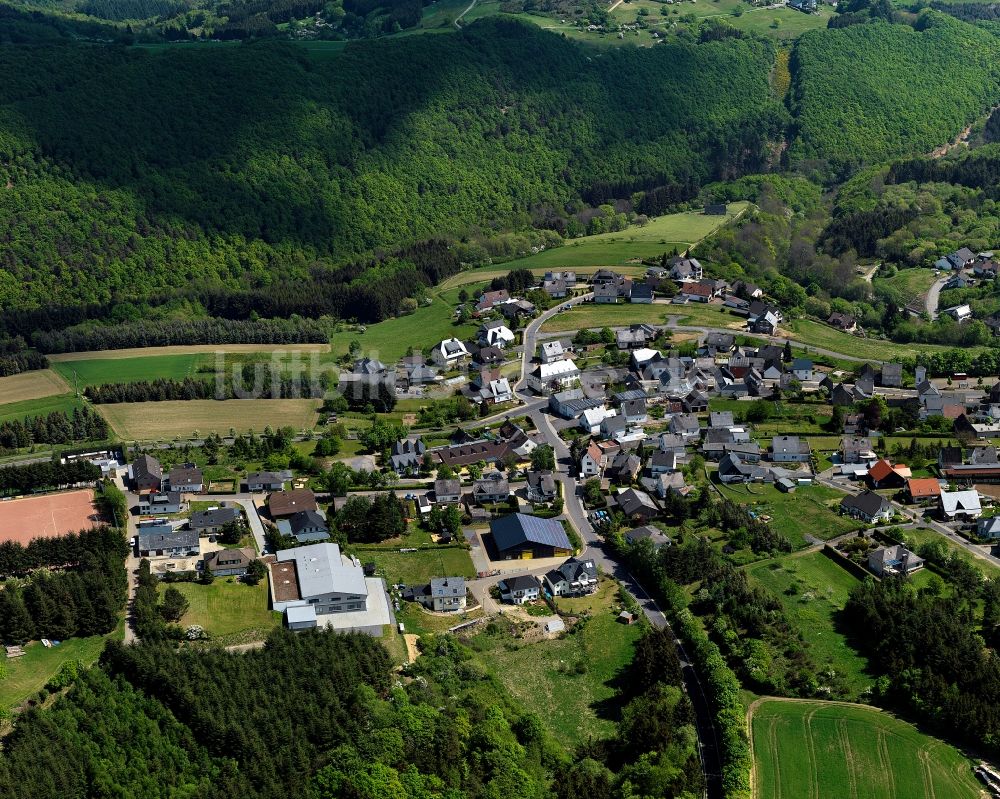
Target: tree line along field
(829, 749)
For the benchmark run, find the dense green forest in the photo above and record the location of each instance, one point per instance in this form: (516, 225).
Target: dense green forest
(865, 93)
(321, 715)
(135, 176)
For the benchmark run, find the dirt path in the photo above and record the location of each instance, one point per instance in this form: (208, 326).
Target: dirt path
(961, 140)
(412, 652)
(458, 19)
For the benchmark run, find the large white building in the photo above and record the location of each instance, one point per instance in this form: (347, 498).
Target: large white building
(548, 378)
(317, 586)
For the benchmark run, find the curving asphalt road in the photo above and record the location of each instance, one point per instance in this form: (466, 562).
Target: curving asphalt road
(933, 296)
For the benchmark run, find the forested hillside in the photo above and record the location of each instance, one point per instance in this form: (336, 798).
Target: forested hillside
(132, 175)
(323, 716)
(866, 93)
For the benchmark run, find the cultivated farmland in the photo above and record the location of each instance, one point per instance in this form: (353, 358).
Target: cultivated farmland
(31, 385)
(98, 371)
(824, 750)
(183, 349)
(145, 421)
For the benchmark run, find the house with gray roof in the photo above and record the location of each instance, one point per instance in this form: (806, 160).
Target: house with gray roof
(441, 594)
(575, 577)
(211, 521)
(894, 560)
(230, 562)
(407, 455)
(520, 589)
(305, 526)
(162, 540)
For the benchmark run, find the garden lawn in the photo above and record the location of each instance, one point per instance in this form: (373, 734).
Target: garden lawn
(825, 749)
(543, 676)
(807, 510)
(911, 284)
(416, 568)
(417, 620)
(593, 314)
(225, 608)
(813, 590)
(27, 675)
(130, 370)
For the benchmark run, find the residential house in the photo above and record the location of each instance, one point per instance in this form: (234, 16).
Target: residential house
(841, 396)
(287, 503)
(520, 536)
(856, 450)
(450, 353)
(802, 368)
(607, 293)
(490, 489)
(696, 292)
(159, 539)
(961, 258)
(983, 456)
(160, 502)
(989, 528)
(634, 410)
(623, 468)
(640, 293)
(950, 456)
(868, 507)
(568, 276)
(922, 489)
(264, 481)
(721, 419)
(459, 455)
(548, 378)
(187, 479)
(631, 339)
(647, 533)
(960, 504)
(672, 442)
(211, 521)
(146, 473)
(716, 344)
(964, 427)
(733, 469)
(637, 505)
(570, 404)
(407, 455)
(894, 560)
(662, 463)
(496, 334)
(441, 594)
(304, 526)
(552, 351)
(541, 486)
(789, 449)
(447, 492)
(485, 357)
(748, 290)
(891, 375)
(556, 289)
(520, 589)
(884, 474)
(575, 577)
(230, 562)
(685, 425)
(766, 324)
(843, 321)
(489, 299)
(960, 313)
(685, 269)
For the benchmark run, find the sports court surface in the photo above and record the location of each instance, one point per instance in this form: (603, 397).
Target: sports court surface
(47, 515)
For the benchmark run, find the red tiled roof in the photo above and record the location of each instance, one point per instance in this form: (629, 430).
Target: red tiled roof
(921, 487)
(881, 470)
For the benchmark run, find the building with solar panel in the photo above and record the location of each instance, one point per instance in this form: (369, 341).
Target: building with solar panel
(520, 536)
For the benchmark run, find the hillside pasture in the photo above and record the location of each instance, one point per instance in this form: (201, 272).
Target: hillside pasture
(152, 421)
(65, 403)
(99, 371)
(830, 749)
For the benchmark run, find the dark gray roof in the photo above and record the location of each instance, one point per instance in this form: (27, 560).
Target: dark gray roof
(306, 519)
(213, 518)
(522, 582)
(867, 502)
(156, 539)
(147, 466)
(520, 528)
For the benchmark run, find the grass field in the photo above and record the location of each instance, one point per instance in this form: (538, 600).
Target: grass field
(813, 590)
(226, 608)
(28, 674)
(145, 421)
(389, 340)
(543, 675)
(826, 750)
(916, 536)
(910, 283)
(413, 568)
(807, 510)
(816, 334)
(30, 386)
(98, 371)
(416, 620)
(37, 407)
(599, 315)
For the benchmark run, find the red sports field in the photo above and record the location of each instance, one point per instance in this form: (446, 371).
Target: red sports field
(47, 515)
